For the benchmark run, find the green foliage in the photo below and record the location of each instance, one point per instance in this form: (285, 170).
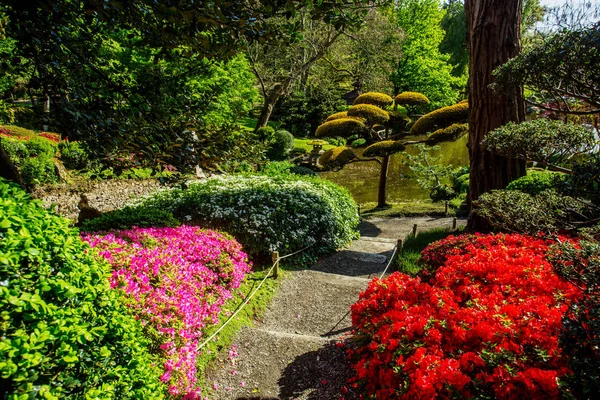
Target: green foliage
(282, 142)
(284, 213)
(569, 57)
(398, 121)
(412, 100)
(65, 332)
(454, 43)
(376, 99)
(409, 258)
(33, 157)
(265, 133)
(431, 175)
(341, 127)
(451, 133)
(372, 115)
(423, 68)
(128, 217)
(461, 183)
(24, 117)
(549, 211)
(536, 182)
(542, 140)
(358, 142)
(336, 158)
(276, 168)
(73, 155)
(337, 141)
(337, 115)
(384, 148)
(440, 118)
(13, 130)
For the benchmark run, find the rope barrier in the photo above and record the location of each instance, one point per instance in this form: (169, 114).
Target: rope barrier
(275, 263)
(390, 262)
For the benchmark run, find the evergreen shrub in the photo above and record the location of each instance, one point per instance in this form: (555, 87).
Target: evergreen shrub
(374, 98)
(439, 118)
(373, 115)
(341, 127)
(65, 333)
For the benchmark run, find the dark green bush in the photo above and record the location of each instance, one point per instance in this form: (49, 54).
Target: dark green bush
(72, 155)
(536, 182)
(282, 142)
(549, 211)
(265, 133)
(128, 217)
(358, 142)
(65, 332)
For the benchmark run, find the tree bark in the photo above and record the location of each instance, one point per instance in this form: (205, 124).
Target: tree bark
(381, 197)
(269, 105)
(7, 168)
(493, 37)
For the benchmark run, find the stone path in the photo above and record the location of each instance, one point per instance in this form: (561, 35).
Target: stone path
(291, 353)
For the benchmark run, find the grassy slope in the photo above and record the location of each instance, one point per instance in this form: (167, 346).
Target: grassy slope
(411, 251)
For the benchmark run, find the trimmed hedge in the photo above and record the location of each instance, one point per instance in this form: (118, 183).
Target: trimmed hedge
(65, 333)
(411, 99)
(341, 127)
(536, 182)
(282, 142)
(374, 98)
(451, 133)
(372, 114)
(384, 148)
(338, 115)
(440, 118)
(336, 157)
(284, 213)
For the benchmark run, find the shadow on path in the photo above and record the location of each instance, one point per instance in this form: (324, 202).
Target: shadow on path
(317, 375)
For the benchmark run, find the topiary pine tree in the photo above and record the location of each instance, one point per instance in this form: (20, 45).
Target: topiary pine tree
(375, 117)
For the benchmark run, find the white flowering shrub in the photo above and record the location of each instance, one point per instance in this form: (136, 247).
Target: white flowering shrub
(265, 213)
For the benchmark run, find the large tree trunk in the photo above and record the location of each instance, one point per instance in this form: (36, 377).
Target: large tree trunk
(7, 168)
(493, 37)
(278, 90)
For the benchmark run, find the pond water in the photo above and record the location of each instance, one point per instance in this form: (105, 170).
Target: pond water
(362, 178)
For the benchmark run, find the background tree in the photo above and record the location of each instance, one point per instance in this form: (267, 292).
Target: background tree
(423, 68)
(493, 38)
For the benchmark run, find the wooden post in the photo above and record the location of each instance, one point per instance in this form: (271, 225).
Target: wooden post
(414, 231)
(454, 224)
(275, 259)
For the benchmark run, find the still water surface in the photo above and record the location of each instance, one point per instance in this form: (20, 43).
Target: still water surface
(362, 178)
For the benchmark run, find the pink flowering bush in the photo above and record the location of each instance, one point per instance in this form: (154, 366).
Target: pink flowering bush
(175, 280)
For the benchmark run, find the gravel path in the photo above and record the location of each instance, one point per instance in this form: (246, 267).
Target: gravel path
(292, 353)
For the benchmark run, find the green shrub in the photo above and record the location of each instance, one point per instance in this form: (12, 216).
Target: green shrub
(341, 127)
(352, 138)
(276, 168)
(12, 130)
(265, 133)
(398, 121)
(536, 182)
(128, 217)
(515, 211)
(338, 115)
(337, 141)
(358, 142)
(37, 170)
(461, 183)
(33, 158)
(374, 98)
(451, 133)
(282, 143)
(284, 213)
(72, 155)
(336, 158)
(65, 333)
(411, 99)
(373, 115)
(440, 118)
(384, 148)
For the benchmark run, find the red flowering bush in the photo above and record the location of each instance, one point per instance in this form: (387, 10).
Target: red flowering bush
(486, 325)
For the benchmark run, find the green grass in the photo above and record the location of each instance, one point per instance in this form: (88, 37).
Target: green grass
(250, 123)
(405, 209)
(408, 260)
(302, 143)
(255, 308)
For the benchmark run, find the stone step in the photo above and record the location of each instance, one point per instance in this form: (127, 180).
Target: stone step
(276, 365)
(321, 313)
